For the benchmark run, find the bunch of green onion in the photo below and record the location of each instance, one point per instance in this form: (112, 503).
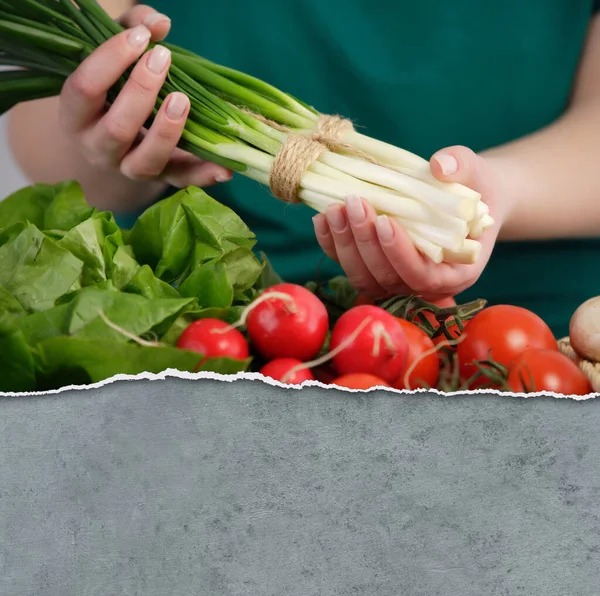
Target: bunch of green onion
(243, 123)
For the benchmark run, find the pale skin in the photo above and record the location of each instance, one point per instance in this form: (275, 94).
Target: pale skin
(543, 186)
(73, 136)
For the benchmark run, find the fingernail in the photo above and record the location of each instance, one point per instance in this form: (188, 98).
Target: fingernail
(223, 177)
(155, 18)
(320, 224)
(139, 36)
(384, 228)
(336, 219)
(448, 164)
(158, 59)
(177, 106)
(355, 209)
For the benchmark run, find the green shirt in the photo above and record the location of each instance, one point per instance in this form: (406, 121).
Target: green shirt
(420, 75)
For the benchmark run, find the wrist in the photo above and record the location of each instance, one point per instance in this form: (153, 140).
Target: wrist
(500, 191)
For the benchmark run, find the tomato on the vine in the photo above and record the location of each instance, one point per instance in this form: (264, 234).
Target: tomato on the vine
(429, 315)
(546, 370)
(454, 331)
(500, 333)
(426, 371)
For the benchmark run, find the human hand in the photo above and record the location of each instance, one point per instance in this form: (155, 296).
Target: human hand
(379, 257)
(115, 138)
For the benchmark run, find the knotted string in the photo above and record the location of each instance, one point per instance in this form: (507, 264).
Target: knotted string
(299, 151)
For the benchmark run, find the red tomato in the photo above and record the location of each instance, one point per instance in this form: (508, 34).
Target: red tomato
(359, 381)
(426, 372)
(280, 367)
(429, 316)
(213, 338)
(443, 303)
(546, 370)
(380, 349)
(454, 333)
(501, 333)
(294, 328)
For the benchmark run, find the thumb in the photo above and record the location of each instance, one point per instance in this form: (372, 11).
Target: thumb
(158, 24)
(459, 164)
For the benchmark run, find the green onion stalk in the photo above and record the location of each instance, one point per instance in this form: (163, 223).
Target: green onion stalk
(251, 128)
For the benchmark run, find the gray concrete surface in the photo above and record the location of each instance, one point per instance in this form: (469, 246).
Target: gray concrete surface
(182, 488)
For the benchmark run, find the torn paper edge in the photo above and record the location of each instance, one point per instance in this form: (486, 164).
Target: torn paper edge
(245, 376)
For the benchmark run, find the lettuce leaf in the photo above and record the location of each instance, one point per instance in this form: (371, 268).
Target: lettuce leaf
(199, 245)
(17, 368)
(48, 207)
(66, 269)
(36, 270)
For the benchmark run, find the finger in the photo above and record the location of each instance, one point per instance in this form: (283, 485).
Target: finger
(324, 237)
(412, 267)
(362, 216)
(84, 93)
(349, 257)
(459, 164)
(119, 128)
(150, 158)
(158, 23)
(191, 171)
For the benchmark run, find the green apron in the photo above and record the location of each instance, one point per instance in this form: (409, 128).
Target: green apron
(421, 75)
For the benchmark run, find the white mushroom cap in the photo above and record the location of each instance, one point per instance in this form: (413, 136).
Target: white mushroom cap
(584, 330)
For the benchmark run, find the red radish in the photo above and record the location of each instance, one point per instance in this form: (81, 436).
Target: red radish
(380, 349)
(293, 366)
(292, 328)
(214, 338)
(280, 368)
(359, 381)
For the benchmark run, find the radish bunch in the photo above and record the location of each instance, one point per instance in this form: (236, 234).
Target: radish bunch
(287, 327)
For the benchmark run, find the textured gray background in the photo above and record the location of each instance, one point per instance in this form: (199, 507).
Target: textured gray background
(190, 488)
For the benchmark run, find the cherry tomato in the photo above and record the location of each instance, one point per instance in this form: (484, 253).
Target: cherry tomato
(359, 381)
(501, 333)
(454, 331)
(438, 340)
(213, 338)
(279, 368)
(426, 372)
(294, 328)
(546, 370)
(379, 349)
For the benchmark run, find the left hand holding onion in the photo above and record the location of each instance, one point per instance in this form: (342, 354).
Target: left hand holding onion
(379, 257)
